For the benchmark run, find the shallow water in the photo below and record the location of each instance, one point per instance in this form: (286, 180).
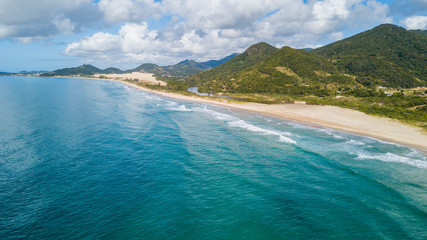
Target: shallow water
(94, 159)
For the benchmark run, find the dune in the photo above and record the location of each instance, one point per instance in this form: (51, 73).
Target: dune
(140, 76)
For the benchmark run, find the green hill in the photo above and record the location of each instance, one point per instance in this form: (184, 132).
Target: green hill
(83, 70)
(386, 55)
(285, 71)
(111, 70)
(149, 68)
(184, 69)
(229, 70)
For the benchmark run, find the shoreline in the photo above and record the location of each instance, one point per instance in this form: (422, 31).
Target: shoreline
(341, 119)
(322, 116)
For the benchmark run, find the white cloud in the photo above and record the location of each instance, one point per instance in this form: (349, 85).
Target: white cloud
(303, 25)
(330, 9)
(135, 42)
(203, 30)
(63, 25)
(117, 11)
(336, 36)
(416, 22)
(34, 20)
(369, 14)
(217, 14)
(96, 44)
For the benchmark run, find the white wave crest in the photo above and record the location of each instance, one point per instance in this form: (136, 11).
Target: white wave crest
(170, 103)
(151, 97)
(352, 141)
(218, 115)
(393, 158)
(242, 124)
(330, 133)
(180, 108)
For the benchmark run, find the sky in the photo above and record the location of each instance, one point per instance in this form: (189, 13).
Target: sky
(52, 34)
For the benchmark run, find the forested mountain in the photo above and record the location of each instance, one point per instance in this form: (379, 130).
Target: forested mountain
(83, 70)
(287, 71)
(148, 67)
(229, 70)
(111, 70)
(182, 69)
(385, 55)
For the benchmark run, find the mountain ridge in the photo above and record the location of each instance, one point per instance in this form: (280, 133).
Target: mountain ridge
(251, 56)
(385, 55)
(182, 69)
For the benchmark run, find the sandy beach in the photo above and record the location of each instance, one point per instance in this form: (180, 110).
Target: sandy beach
(323, 116)
(140, 76)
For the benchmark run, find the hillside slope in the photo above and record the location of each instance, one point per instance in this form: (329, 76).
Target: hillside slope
(385, 55)
(83, 70)
(286, 71)
(229, 70)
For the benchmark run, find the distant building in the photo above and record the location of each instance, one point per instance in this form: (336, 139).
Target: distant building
(388, 94)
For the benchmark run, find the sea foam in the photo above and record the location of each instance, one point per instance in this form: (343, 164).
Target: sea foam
(239, 123)
(180, 108)
(393, 158)
(253, 128)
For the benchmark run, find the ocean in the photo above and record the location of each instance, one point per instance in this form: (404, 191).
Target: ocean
(94, 159)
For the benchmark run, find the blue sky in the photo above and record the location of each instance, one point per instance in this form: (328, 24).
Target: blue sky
(51, 34)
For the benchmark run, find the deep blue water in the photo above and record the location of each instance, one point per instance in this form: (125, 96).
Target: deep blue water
(89, 159)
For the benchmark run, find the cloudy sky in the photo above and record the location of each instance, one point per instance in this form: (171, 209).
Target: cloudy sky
(51, 34)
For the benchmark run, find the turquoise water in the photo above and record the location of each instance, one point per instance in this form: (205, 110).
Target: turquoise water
(88, 159)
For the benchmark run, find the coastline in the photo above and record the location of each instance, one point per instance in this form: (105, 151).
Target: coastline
(341, 119)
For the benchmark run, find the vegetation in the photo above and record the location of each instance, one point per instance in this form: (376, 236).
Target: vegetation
(285, 71)
(229, 70)
(386, 55)
(422, 32)
(84, 70)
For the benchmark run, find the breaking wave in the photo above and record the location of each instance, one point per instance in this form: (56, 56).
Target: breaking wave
(253, 128)
(393, 158)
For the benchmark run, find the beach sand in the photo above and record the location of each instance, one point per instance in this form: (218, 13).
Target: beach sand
(323, 116)
(141, 77)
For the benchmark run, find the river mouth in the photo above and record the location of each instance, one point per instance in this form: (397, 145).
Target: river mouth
(196, 91)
